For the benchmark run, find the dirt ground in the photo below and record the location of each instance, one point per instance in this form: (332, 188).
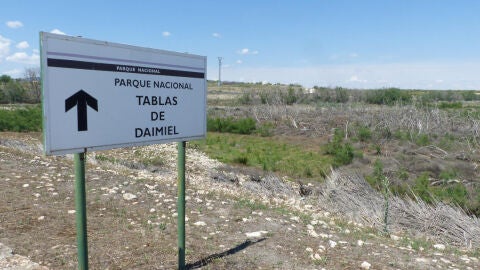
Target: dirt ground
(132, 216)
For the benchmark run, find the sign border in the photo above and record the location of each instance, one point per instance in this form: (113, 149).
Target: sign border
(44, 36)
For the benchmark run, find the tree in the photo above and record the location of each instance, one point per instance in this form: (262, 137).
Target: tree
(4, 79)
(33, 79)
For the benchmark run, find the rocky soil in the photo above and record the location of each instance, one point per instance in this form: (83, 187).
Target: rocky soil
(236, 218)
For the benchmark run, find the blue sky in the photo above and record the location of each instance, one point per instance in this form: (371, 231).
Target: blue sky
(426, 44)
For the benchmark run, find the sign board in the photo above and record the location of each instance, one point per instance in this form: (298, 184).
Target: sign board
(102, 95)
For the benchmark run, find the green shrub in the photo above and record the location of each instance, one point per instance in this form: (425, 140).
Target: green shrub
(448, 175)
(364, 134)
(290, 97)
(450, 105)
(265, 130)
(389, 96)
(241, 160)
(229, 125)
(341, 95)
(421, 188)
(422, 140)
(375, 180)
(22, 119)
(343, 153)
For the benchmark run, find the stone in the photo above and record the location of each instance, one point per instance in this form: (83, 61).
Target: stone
(394, 237)
(365, 265)
(200, 223)
(439, 246)
(332, 244)
(255, 234)
(5, 251)
(129, 196)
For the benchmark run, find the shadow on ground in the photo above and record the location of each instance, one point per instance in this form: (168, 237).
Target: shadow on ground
(205, 261)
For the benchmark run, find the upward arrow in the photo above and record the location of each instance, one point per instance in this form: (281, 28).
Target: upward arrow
(81, 99)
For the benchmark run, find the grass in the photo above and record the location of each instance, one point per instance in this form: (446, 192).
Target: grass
(269, 154)
(24, 119)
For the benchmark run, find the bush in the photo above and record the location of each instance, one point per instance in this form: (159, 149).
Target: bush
(343, 153)
(450, 105)
(265, 130)
(229, 125)
(21, 120)
(364, 134)
(421, 188)
(422, 140)
(390, 96)
(290, 97)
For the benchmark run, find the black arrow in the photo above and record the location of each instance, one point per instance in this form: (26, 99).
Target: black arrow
(81, 99)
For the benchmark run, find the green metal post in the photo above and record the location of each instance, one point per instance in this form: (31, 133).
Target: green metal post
(81, 211)
(181, 204)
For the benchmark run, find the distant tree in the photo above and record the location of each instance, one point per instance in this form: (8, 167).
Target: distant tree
(14, 92)
(4, 79)
(32, 77)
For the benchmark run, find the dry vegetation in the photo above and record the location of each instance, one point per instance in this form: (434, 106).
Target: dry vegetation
(367, 213)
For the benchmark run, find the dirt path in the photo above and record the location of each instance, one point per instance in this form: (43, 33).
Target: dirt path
(132, 218)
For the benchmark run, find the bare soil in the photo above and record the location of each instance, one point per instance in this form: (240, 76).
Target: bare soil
(292, 232)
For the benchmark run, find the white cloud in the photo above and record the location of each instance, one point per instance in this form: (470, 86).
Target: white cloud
(4, 47)
(22, 45)
(243, 51)
(239, 61)
(246, 51)
(216, 35)
(355, 78)
(24, 58)
(15, 73)
(14, 24)
(166, 34)
(58, 32)
(353, 55)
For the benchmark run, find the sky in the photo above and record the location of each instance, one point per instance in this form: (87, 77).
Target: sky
(410, 44)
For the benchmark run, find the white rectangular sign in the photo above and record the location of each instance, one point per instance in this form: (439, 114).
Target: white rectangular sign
(103, 95)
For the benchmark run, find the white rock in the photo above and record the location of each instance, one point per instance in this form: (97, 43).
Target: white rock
(394, 237)
(445, 261)
(332, 244)
(41, 218)
(365, 265)
(309, 249)
(71, 211)
(323, 235)
(25, 185)
(129, 196)
(200, 223)
(152, 210)
(255, 234)
(313, 233)
(360, 243)
(317, 256)
(439, 246)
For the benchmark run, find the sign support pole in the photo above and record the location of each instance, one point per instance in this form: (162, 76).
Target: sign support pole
(181, 204)
(81, 210)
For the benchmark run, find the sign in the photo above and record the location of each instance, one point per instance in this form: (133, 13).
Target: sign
(101, 95)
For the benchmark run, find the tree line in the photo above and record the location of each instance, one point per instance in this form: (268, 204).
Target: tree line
(21, 90)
